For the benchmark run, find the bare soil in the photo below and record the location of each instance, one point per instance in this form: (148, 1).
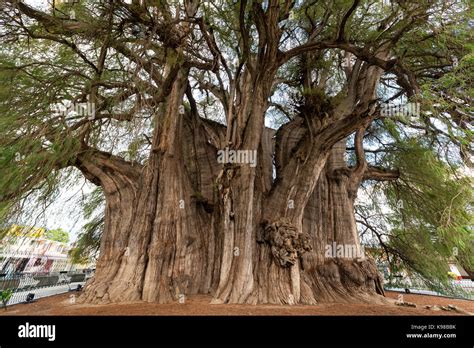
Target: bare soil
(200, 305)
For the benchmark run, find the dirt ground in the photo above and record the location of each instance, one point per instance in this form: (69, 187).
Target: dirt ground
(199, 305)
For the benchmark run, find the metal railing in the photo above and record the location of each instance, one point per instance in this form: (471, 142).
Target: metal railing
(41, 284)
(463, 289)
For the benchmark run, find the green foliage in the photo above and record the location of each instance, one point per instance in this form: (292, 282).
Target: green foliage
(32, 149)
(58, 235)
(431, 219)
(88, 242)
(5, 296)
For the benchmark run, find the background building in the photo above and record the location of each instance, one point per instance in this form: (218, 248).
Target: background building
(27, 250)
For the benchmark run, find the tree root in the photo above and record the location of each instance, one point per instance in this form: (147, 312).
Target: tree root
(342, 280)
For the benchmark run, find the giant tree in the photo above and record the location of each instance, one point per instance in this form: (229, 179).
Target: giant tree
(157, 88)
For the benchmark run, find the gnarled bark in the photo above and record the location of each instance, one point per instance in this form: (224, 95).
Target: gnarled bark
(158, 243)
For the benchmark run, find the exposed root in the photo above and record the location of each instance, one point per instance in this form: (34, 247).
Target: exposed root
(104, 292)
(109, 292)
(342, 280)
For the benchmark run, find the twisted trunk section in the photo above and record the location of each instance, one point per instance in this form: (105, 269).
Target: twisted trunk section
(337, 269)
(158, 244)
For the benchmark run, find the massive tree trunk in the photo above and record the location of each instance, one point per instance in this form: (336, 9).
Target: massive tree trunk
(184, 224)
(171, 232)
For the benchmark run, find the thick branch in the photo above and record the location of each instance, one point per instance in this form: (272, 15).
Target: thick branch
(381, 174)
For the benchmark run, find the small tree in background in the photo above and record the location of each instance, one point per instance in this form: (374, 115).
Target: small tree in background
(5, 296)
(58, 235)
